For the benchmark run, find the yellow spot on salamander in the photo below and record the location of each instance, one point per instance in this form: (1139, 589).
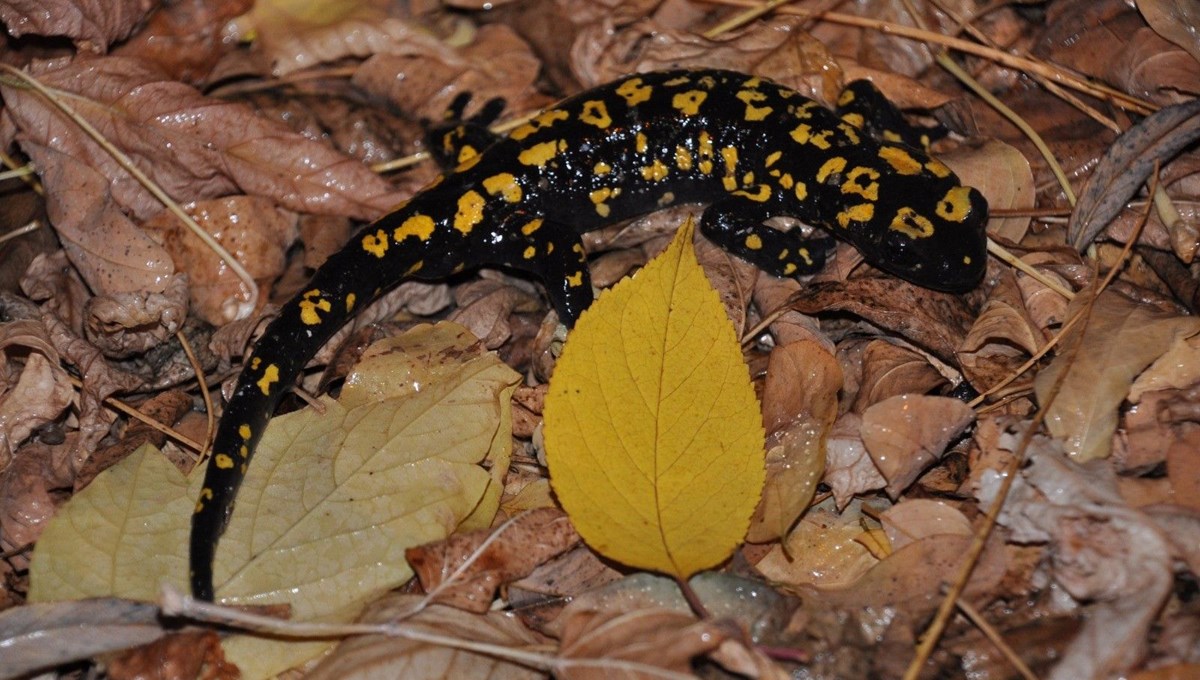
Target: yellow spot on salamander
(599, 196)
(729, 154)
(688, 103)
(468, 164)
(529, 253)
(754, 113)
(310, 305)
(786, 181)
(683, 158)
(416, 267)
(538, 154)
(804, 111)
(420, 226)
(773, 158)
(470, 211)
(206, 494)
(705, 152)
(575, 280)
(854, 119)
(890, 136)
(634, 91)
(729, 183)
(937, 167)
(803, 253)
(376, 244)
(601, 168)
(801, 191)
(956, 205)
(753, 242)
(655, 172)
(789, 269)
(254, 363)
(676, 82)
(853, 184)
(270, 377)
(835, 165)
(244, 451)
(640, 143)
(505, 185)
(543, 120)
(245, 432)
(863, 212)
(900, 160)
(850, 132)
(912, 224)
(763, 193)
(803, 134)
(595, 113)
(531, 226)
(223, 461)
(351, 298)
(466, 153)
(846, 98)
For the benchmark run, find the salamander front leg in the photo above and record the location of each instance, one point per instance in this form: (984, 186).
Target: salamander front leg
(736, 224)
(554, 253)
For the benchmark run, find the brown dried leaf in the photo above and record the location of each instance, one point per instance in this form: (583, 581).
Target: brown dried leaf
(193, 146)
(104, 245)
(1110, 557)
(186, 39)
(849, 470)
(1174, 20)
(914, 519)
(380, 656)
(41, 393)
(181, 655)
(126, 324)
(496, 64)
(1153, 68)
(905, 434)
(934, 321)
(1122, 338)
(636, 644)
(465, 570)
(92, 25)
(484, 307)
(799, 404)
(1177, 368)
(825, 549)
(1004, 176)
(890, 370)
(251, 228)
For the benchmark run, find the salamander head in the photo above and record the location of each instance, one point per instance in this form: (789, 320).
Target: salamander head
(934, 238)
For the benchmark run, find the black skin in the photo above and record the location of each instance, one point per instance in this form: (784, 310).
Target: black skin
(746, 146)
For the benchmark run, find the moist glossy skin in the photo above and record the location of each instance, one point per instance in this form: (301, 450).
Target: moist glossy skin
(748, 147)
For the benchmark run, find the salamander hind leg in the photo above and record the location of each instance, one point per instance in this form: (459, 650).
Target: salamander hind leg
(736, 225)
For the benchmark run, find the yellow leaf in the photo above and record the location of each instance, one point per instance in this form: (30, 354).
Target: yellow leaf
(328, 507)
(653, 434)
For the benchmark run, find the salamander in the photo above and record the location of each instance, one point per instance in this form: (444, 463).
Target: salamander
(748, 147)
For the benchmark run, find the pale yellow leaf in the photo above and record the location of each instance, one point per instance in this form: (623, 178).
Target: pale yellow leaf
(326, 510)
(654, 438)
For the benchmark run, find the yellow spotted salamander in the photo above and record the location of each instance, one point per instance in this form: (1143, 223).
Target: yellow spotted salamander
(748, 147)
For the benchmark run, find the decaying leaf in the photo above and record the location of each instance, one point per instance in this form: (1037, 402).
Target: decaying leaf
(905, 434)
(653, 434)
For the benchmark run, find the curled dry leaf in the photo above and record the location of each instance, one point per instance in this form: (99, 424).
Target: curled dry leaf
(1126, 165)
(51, 280)
(905, 434)
(251, 228)
(126, 324)
(1104, 553)
(92, 26)
(1177, 368)
(1151, 67)
(34, 389)
(466, 569)
(192, 146)
(485, 306)
(799, 405)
